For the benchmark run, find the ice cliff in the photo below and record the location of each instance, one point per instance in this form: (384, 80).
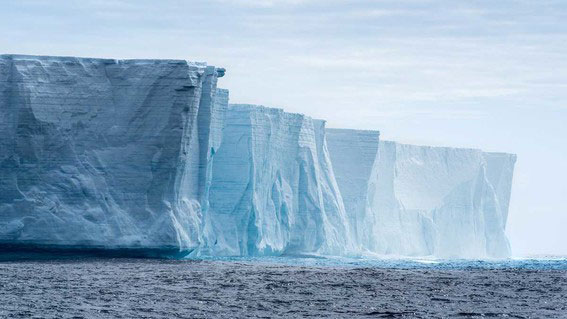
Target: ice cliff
(148, 156)
(353, 155)
(104, 153)
(423, 201)
(273, 189)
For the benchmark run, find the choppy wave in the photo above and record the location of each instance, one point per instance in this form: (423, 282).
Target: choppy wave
(288, 287)
(557, 263)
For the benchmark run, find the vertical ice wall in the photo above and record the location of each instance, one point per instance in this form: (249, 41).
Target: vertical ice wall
(103, 153)
(210, 141)
(499, 172)
(273, 189)
(425, 201)
(113, 154)
(353, 155)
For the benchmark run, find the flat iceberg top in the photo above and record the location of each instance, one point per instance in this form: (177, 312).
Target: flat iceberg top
(447, 148)
(254, 108)
(49, 58)
(348, 131)
(501, 156)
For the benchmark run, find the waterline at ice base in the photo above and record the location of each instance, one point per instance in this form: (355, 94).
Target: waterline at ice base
(147, 157)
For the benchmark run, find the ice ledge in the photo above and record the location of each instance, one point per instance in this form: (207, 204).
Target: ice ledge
(430, 147)
(47, 58)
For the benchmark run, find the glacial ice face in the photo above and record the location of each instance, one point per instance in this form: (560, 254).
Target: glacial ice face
(425, 201)
(147, 154)
(273, 190)
(499, 172)
(105, 153)
(353, 155)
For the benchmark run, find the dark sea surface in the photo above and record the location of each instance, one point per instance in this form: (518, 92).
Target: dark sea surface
(282, 287)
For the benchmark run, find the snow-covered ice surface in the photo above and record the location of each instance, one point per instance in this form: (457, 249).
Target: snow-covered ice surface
(424, 201)
(104, 153)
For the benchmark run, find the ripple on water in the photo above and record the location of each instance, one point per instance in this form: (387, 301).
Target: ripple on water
(282, 287)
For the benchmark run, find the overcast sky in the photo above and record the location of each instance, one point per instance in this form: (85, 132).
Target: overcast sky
(482, 74)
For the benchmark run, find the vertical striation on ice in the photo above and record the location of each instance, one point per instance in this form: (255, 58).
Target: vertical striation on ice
(273, 190)
(148, 154)
(353, 155)
(423, 201)
(103, 153)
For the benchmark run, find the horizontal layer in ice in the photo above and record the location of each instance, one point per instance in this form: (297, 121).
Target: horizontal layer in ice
(273, 190)
(103, 153)
(423, 201)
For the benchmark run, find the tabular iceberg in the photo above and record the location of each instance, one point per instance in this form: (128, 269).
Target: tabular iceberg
(423, 201)
(273, 190)
(148, 156)
(104, 153)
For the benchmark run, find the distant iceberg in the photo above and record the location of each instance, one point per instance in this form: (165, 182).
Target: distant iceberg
(148, 156)
(423, 201)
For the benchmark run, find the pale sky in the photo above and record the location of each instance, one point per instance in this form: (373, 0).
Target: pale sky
(483, 74)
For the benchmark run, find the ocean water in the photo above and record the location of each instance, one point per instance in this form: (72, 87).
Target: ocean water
(543, 263)
(281, 287)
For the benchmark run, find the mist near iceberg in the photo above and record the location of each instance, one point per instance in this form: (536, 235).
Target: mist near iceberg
(148, 157)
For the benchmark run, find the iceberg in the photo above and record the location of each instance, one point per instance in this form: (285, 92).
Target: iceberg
(105, 154)
(423, 201)
(273, 190)
(147, 157)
